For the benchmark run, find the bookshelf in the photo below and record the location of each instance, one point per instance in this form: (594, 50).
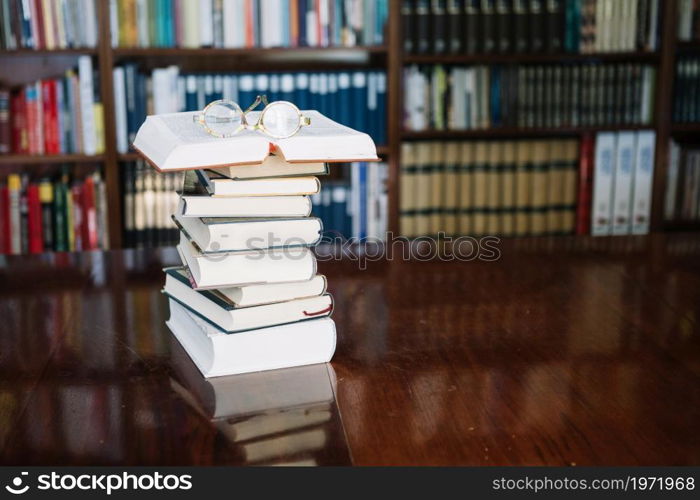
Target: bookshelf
(389, 57)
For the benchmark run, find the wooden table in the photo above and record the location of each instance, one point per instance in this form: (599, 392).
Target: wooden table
(565, 351)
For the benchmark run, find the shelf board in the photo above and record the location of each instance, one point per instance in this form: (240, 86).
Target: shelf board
(513, 132)
(41, 53)
(685, 128)
(682, 225)
(242, 52)
(650, 57)
(692, 45)
(49, 159)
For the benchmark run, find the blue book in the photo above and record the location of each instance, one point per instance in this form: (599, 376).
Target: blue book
(246, 90)
(333, 96)
(362, 205)
(381, 109)
(261, 87)
(62, 117)
(328, 222)
(273, 92)
(317, 207)
(287, 92)
(495, 96)
(372, 106)
(218, 88)
(209, 95)
(301, 91)
(338, 12)
(314, 97)
(191, 93)
(302, 8)
(358, 101)
(167, 12)
(344, 98)
(347, 224)
(338, 209)
(286, 34)
(130, 80)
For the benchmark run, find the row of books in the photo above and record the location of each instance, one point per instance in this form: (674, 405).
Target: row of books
(47, 24)
(686, 98)
(355, 98)
(482, 97)
(504, 26)
(248, 23)
(682, 200)
(149, 200)
(616, 174)
(358, 209)
(54, 115)
(52, 214)
(509, 188)
(688, 20)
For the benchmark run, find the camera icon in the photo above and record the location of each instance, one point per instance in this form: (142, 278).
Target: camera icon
(16, 488)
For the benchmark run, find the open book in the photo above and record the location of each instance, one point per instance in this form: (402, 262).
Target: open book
(175, 142)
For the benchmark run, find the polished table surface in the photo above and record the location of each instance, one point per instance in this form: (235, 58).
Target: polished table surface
(564, 351)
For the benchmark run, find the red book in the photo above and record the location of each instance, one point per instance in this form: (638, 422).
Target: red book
(4, 220)
(18, 123)
(35, 230)
(37, 23)
(89, 215)
(4, 121)
(249, 35)
(76, 191)
(585, 186)
(49, 104)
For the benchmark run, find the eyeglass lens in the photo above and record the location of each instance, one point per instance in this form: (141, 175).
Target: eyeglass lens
(223, 118)
(280, 119)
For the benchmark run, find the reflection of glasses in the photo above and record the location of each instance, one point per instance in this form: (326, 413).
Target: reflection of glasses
(279, 119)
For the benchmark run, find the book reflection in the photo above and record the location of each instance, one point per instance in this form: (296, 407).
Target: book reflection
(277, 417)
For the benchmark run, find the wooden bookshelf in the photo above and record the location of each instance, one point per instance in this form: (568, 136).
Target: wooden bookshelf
(49, 159)
(391, 58)
(641, 57)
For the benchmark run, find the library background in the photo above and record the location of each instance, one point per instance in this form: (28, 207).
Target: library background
(539, 117)
(545, 122)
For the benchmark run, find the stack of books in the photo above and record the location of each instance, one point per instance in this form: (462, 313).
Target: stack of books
(248, 297)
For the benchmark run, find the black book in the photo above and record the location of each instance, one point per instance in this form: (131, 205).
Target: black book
(575, 96)
(520, 26)
(407, 25)
(522, 97)
(488, 39)
(635, 115)
(541, 98)
(535, 15)
(471, 35)
(610, 96)
(46, 198)
(454, 25)
(555, 24)
(438, 13)
(128, 208)
(622, 87)
(556, 97)
(504, 26)
(422, 26)
(642, 27)
(24, 216)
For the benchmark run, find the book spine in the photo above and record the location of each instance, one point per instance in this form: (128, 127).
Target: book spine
(521, 26)
(14, 187)
(585, 186)
(34, 219)
(439, 26)
(46, 200)
(5, 125)
(604, 171)
(643, 182)
(422, 28)
(504, 26)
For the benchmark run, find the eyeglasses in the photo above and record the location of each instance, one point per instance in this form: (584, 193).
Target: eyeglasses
(279, 119)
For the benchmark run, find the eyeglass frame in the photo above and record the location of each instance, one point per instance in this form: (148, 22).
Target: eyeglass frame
(304, 121)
